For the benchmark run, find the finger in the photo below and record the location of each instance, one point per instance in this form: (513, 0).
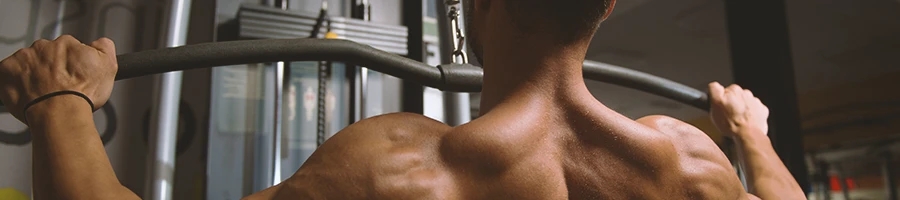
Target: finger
(716, 91)
(40, 43)
(26, 54)
(105, 45)
(734, 88)
(8, 66)
(67, 39)
(748, 95)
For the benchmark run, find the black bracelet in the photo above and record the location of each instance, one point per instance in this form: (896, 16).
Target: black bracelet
(53, 94)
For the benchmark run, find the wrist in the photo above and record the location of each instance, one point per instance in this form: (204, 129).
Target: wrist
(66, 106)
(745, 133)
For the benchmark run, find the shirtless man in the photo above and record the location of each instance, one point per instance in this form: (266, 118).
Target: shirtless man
(541, 134)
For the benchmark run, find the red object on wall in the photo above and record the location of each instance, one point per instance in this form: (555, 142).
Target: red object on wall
(836, 184)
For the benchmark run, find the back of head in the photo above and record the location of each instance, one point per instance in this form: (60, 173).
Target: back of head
(557, 22)
(565, 21)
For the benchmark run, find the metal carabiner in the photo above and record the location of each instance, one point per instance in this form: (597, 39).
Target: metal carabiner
(458, 34)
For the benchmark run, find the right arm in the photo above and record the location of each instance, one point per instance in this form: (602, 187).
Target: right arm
(767, 177)
(737, 113)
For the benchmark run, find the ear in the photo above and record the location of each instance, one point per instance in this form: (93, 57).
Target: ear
(612, 4)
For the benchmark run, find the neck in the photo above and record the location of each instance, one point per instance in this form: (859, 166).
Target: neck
(531, 72)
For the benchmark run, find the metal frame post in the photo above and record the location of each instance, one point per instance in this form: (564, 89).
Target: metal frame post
(888, 170)
(822, 169)
(362, 9)
(280, 69)
(412, 93)
(280, 81)
(363, 71)
(761, 62)
(60, 15)
(842, 180)
(167, 97)
(456, 105)
(365, 13)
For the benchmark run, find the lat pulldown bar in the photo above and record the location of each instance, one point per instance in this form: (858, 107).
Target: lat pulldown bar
(448, 77)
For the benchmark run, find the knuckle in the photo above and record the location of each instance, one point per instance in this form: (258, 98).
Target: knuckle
(6, 64)
(24, 53)
(66, 38)
(17, 52)
(40, 43)
(105, 40)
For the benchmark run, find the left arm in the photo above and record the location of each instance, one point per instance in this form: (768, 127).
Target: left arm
(69, 161)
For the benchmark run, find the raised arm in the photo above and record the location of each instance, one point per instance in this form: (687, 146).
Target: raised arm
(737, 113)
(69, 161)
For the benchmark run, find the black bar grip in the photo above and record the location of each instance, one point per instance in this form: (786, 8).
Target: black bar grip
(461, 77)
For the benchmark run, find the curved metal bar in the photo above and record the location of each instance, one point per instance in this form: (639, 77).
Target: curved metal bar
(273, 50)
(645, 82)
(450, 77)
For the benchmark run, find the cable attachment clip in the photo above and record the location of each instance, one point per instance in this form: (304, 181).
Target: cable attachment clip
(459, 55)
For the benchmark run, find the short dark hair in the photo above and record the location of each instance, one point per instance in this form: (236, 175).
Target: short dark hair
(568, 20)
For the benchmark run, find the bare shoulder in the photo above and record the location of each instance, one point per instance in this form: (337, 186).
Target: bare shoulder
(705, 171)
(393, 122)
(670, 125)
(686, 138)
(400, 118)
(681, 133)
(365, 158)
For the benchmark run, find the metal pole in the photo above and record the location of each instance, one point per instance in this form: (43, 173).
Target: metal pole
(279, 91)
(167, 96)
(276, 134)
(456, 105)
(842, 180)
(363, 71)
(738, 166)
(363, 88)
(412, 93)
(445, 32)
(60, 14)
(823, 169)
(761, 61)
(888, 170)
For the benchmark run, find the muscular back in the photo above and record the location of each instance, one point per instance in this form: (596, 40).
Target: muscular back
(525, 151)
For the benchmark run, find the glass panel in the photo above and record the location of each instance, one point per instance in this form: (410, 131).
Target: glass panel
(301, 112)
(430, 8)
(374, 94)
(242, 110)
(240, 137)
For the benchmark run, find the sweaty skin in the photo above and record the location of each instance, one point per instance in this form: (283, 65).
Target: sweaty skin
(527, 150)
(541, 135)
(742, 116)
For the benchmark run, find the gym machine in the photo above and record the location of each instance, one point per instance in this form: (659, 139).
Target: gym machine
(377, 56)
(447, 77)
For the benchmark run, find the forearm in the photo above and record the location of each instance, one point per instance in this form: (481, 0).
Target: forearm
(767, 177)
(69, 161)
